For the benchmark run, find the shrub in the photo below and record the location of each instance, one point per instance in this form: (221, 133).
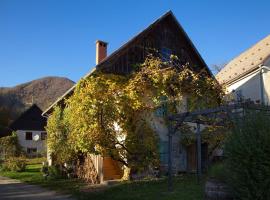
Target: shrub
(9, 146)
(55, 172)
(247, 152)
(16, 164)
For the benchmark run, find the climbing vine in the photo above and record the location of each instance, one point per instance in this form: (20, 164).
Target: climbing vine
(109, 114)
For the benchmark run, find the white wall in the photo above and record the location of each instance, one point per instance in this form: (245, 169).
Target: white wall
(249, 87)
(266, 83)
(40, 144)
(252, 86)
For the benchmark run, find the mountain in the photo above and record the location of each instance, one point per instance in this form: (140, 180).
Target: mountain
(43, 92)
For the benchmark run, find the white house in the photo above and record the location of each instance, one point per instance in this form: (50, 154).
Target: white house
(30, 129)
(248, 75)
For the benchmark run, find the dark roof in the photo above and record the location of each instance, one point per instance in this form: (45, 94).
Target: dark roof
(169, 15)
(5, 131)
(31, 119)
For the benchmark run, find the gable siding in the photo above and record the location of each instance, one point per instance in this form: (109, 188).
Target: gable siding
(167, 35)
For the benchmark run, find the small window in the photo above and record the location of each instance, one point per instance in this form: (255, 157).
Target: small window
(31, 150)
(166, 54)
(28, 136)
(43, 136)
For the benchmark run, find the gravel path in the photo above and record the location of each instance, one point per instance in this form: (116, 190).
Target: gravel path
(11, 189)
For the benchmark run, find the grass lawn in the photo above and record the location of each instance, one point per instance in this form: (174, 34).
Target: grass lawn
(32, 175)
(185, 187)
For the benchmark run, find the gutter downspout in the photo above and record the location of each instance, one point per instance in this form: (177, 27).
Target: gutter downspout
(262, 84)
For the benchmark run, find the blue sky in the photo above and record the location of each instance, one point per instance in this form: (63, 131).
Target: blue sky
(57, 37)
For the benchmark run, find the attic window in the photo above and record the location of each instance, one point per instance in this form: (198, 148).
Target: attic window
(166, 54)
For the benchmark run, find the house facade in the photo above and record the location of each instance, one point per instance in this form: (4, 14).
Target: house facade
(30, 129)
(247, 77)
(162, 38)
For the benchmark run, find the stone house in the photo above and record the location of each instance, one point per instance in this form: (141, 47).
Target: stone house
(163, 38)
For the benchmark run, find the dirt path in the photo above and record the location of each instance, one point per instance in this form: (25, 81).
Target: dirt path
(11, 189)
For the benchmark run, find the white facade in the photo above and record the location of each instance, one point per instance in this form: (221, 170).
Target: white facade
(35, 146)
(254, 86)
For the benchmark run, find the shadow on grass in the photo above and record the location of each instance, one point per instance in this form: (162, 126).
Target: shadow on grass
(184, 187)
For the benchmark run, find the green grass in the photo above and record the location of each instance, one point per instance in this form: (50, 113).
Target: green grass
(32, 175)
(185, 187)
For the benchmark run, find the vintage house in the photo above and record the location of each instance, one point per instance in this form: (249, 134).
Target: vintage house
(30, 129)
(247, 77)
(163, 38)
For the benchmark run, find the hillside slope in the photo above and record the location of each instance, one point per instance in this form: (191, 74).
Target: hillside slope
(43, 92)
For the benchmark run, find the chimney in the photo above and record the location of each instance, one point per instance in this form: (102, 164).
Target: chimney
(101, 51)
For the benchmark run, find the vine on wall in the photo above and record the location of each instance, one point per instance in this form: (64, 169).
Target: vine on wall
(107, 113)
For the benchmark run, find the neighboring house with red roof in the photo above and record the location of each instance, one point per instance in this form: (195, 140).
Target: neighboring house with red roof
(163, 38)
(248, 75)
(30, 129)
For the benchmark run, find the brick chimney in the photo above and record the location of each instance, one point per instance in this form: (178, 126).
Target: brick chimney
(101, 51)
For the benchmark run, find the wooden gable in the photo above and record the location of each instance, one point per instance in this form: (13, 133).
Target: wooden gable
(167, 33)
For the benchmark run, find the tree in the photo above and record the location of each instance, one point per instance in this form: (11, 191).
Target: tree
(247, 151)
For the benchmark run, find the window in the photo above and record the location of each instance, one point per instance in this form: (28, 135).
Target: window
(28, 136)
(161, 110)
(43, 136)
(166, 54)
(31, 150)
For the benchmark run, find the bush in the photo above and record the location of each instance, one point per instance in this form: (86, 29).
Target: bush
(9, 146)
(247, 152)
(16, 164)
(55, 172)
